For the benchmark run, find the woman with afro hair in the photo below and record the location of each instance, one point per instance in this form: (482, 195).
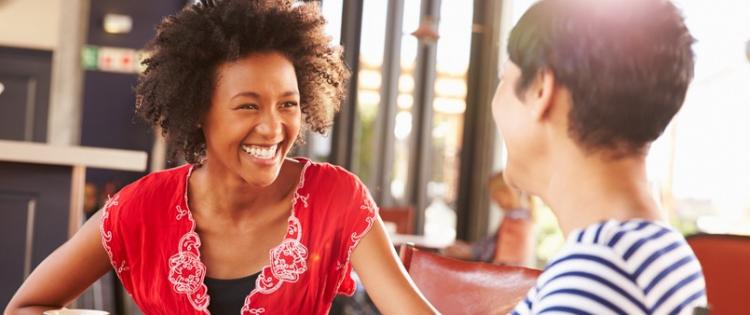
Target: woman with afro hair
(241, 228)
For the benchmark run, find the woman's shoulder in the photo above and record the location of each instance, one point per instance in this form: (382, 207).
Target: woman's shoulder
(329, 175)
(156, 185)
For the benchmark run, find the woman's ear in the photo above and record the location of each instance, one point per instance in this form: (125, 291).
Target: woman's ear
(541, 94)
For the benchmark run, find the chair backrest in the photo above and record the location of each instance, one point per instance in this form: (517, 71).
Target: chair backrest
(726, 266)
(403, 217)
(462, 287)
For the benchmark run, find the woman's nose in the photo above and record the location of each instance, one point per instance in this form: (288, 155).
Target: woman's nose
(270, 125)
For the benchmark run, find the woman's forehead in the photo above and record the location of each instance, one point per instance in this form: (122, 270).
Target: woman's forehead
(263, 71)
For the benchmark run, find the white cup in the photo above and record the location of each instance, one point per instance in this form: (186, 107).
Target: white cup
(66, 311)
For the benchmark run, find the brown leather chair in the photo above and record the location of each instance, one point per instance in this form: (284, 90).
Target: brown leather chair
(462, 287)
(403, 217)
(726, 266)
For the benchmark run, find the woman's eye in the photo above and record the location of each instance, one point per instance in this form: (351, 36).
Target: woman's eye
(247, 106)
(289, 104)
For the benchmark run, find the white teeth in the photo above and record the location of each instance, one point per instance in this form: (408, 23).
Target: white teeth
(261, 152)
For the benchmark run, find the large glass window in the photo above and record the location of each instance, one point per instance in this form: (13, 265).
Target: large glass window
(448, 108)
(368, 88)
(391, 104)
(700, 168)
(405, 107)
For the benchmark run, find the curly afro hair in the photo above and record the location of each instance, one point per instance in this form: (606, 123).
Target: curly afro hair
(175, 90)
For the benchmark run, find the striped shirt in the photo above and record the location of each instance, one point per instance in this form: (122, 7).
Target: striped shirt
(630, 267)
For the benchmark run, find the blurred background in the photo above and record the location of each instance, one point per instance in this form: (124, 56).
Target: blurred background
(416, 126)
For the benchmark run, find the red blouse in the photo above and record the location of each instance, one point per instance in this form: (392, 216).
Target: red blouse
(149, 233)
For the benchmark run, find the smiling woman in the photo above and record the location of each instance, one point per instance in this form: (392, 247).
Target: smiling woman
(190, 52)
(255, 117)
(242, 228)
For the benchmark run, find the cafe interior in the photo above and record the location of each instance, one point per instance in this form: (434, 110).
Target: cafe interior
(415, 127)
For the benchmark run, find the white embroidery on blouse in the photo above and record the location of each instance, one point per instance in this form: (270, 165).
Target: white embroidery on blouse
(288, 259)
(181, 212)
(297, 197)
(369, 205)
(288, 262)
(106, 234)
(186, 271)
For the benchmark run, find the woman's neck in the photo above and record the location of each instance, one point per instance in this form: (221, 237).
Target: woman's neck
(585, 190)
(214, 190)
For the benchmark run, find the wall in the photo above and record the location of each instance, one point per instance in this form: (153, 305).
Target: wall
(30, 23)
(146, 15)
(108, 100)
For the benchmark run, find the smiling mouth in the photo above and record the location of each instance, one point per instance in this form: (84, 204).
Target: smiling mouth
(261, 151)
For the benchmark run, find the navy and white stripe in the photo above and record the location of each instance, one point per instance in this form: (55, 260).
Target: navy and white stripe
(631, 267)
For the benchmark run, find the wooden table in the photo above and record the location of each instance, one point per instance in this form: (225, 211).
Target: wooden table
(420, 241)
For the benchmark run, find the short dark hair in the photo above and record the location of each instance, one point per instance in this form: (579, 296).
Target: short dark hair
(626, 63)
(175, 90)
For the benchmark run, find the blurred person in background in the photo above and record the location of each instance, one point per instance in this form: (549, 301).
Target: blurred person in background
(512, 242)
(588, 87)
(90, 200)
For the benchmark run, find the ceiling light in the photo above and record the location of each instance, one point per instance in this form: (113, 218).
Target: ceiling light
(118, 24)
